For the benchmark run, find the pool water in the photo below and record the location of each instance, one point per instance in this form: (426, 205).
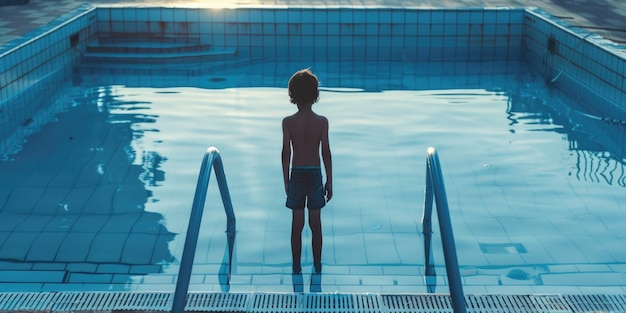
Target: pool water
(100, 197)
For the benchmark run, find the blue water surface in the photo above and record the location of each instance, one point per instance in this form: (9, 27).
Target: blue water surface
(100, 197)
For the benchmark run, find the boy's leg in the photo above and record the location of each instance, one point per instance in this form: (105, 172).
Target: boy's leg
(297, 224)
(315, 223)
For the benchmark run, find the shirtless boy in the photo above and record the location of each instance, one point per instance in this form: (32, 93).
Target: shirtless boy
(304, 134)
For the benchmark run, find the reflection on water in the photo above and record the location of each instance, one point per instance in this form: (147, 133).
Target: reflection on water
(73, 199)
(226, 268)
(596, 141)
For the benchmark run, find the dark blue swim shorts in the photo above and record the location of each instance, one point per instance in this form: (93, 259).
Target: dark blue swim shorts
(305, 188)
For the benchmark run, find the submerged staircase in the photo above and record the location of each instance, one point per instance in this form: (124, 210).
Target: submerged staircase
(157, 55)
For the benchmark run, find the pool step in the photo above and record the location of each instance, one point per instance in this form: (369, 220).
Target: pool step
(157, 57)
(163, 69)
(148, 52)
(145, 46)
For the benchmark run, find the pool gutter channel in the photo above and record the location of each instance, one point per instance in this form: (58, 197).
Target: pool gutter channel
(304, 302)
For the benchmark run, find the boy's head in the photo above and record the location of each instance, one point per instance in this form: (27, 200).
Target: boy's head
(303, 87)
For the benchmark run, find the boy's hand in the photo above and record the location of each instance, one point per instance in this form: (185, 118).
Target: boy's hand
(328, 188)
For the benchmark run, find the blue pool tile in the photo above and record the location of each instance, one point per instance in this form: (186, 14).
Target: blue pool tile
(10, 221)
(346, 17)
(180, 16)
(372, 16)
(256, 16)
(360, 16)
(141, 15)
(45, 248)
(503, 17)
(113, 268)
(385, 16)
(82, 267)
(138, 249)
(89, 278)
(584, 279)
(281, 16)
(333, 16)
(523, 290)
(594, 268)
(143, 269)
(129, 15)
(398, 16)
(22, 287)
(482, 280)
(378, 280)
(75, 247)
(616, 290)
(48, 266)
(154, 287)
(359, 289)
(562, 268)
(159, 279)
(22, 197)
(294, 16)
(117, 14)
(490, 16)
(464, 17)
(33, 224)
(154, 14)
(451, 17)
(269, 16)
(127, 27)
(107, 247)
(307, 30)
(4, 265)
(437, 17)
(268, 279)
(123, 280)
(32, 276)
(239, 279)
(167, 15)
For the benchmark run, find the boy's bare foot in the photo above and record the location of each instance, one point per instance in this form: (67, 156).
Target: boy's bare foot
(318, 268)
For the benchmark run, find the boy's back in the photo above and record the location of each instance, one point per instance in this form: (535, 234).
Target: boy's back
(306, 131)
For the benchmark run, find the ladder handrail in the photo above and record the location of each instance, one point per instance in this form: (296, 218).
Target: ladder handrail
(435, 188)
(212, 159)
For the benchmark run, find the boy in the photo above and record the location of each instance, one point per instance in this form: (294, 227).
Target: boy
(304, 133)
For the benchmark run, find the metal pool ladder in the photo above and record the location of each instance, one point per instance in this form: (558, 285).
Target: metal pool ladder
(435, 188)
(213, 159)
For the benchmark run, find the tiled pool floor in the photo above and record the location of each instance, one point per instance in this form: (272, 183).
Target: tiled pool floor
(607, 18)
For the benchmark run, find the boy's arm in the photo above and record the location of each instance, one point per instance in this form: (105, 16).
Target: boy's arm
(328, 161)
(286, 154)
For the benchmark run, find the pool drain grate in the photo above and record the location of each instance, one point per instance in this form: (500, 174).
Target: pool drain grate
(306, 302)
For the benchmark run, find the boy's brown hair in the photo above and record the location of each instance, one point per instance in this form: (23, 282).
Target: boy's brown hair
(303, 87)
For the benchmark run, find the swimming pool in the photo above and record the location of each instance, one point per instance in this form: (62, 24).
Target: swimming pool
(99, 198)
(107, 202)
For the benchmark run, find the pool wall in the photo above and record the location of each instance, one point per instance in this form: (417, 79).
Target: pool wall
(342, 33)
(32, 69)
(581, 64)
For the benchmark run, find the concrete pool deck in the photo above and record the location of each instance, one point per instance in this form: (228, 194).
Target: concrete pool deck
(604, 17)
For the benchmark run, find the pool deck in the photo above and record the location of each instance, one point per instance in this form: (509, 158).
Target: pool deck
(604, 17)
